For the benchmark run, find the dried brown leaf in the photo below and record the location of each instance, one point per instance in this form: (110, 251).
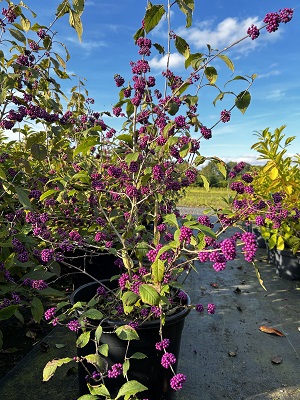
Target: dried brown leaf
(268, 329)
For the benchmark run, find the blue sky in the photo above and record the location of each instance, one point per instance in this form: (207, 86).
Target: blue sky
(107, 48)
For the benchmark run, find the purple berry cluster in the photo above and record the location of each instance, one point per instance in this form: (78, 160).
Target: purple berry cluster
(115, 370)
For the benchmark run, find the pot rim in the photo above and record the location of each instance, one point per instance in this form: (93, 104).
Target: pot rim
(170, 319)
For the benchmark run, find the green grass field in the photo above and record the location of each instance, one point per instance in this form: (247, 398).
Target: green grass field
(199, 197)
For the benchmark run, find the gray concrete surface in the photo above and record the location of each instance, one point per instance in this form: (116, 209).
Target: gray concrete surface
(224, 356)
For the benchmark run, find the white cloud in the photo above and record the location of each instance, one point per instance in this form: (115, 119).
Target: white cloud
(227, 32)
(176, 60)
(276, 94)
(273, 72)
(87, 45)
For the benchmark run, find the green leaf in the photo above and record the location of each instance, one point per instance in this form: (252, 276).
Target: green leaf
(103, 349)
(159, 48)
(132, 157)
(78, 5)
(171, 219)
(173, 108)
(149, 295)
(37, 309)
(2, 174)
(187, 7)
(125, 138)
(126, 366)
(219, 97)
(98, 333)
(93, 314)
(75, 22)
(182, 47)
(85, 146)
(90, 396)
(130, 388)
(205, 182)
(227, 61)
(17, 35)
(139, 356)
(48, 193)
(100, 390)
(7, 312)
(61, 60)
(25, 24)
(280, 243)
(83, 339)
(158, 269)
(129, 298)
(242, 101)
(51, 367)
(139, 33)
(23, 197)
(39, 151)
(95, 359)
(211, 74)
(194, 60)
(152, 17)
(222, 168)
(129, 109)
(126, 332)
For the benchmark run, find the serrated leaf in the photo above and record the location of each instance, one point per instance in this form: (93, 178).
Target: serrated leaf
(132, 157)
(103, 349)
(17, 35)
(159, 48)
(173, 108)
(93, 314)
(95, 359)
(126, 366)
(48, 193)
(227, 61)
(126, 332)
(100, 390)
(219, 97)
(242, 101)
(211, 74)
(37, 309)
(129, 298)
(125, 138)
(23, 197)
(187, 7)
(61, 60)
(222, 168)
(280, 243)
(149, 295)
(153, 16)
(90, 396)
(51, 367)
(39, 151)
(130, 388)
(85, 146)
(25, 24)
(274, 173)
(182, 46)
(138, 356)
(158, 269)
(7, 312)
(83, 339)
(98, 333)
(171, 219)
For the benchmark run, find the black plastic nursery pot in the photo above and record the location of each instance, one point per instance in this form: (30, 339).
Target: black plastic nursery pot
(98, 266)
(147, 371)
(287, 264)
